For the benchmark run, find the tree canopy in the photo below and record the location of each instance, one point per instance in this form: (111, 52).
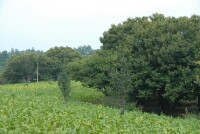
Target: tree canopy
(21, 68)
(60, 57)
(85, 50)
(163, 52)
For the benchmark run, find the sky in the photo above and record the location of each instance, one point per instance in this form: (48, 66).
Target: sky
(43, 24)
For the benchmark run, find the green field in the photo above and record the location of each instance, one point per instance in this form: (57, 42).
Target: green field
(39, 108)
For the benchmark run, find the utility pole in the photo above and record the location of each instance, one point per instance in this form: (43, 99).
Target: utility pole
(37, 71)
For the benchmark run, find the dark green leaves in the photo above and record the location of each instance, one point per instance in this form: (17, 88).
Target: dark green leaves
(162, 52)
(64, 84)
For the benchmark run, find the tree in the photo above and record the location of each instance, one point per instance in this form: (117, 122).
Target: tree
(5, 55)
(45, 65)
(2, 80)
(3, 58)
(85, 50)
(21, 68)
(64, 84)
(121, 84)
(93, 70)
(60, 57)
(197, 82)
(162, 52)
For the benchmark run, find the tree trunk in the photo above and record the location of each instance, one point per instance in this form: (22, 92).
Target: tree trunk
(164, 103)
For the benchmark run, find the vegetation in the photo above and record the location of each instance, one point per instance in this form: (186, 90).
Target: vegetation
(60, 56)
(64, 84)
(22, 66)
(162, 57)
(162, 53)
(38, 108)
(85, 50)
(121, 84)
(93, 70)
(4, 56)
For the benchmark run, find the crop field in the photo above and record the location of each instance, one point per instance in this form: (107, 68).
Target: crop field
(39, 108)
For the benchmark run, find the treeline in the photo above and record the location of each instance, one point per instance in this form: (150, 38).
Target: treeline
(5, 55)
(161, 54)
(30, 65)
(143, 59)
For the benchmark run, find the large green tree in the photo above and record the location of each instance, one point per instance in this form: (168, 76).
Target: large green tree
(60, 57)
(163, 52)
(5, 55)
(93, 70)
(21, 68)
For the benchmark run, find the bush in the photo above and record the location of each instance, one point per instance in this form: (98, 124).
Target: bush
(64, 84)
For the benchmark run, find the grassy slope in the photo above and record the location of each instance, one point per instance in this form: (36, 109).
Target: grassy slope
(39, 108)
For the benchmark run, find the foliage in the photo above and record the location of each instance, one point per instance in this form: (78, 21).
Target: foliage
(45, 64)
(60, 57)
(85, 50)
(5, 55)
(93, 70)
(2, 79)
(162, 52)
(64, 84)
(9, 71)
(37, 108)
(121, 84)
(21, 68)
(85, 94)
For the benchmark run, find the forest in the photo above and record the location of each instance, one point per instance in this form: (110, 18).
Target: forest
(144, 59)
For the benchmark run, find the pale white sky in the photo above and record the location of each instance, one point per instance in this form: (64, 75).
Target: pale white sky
(43, 24)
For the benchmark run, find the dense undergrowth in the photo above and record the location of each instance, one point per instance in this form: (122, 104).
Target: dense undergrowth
(39, 108)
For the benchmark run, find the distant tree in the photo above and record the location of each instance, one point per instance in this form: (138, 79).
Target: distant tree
(14, 51)
(64, 84)
(85, 50)
(4, 55)
(60, 57)
(21, 68)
